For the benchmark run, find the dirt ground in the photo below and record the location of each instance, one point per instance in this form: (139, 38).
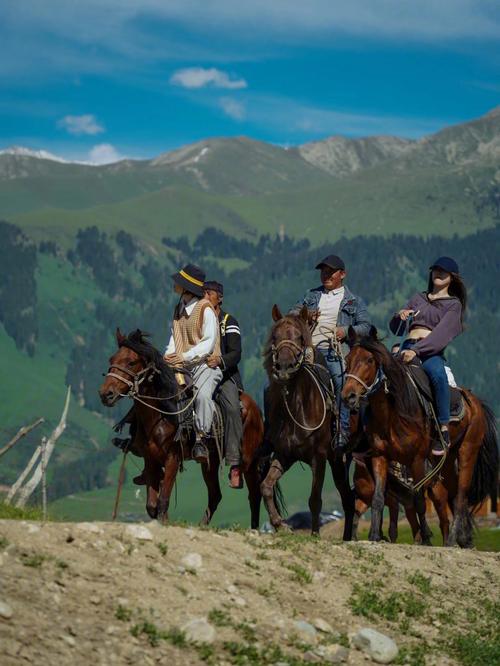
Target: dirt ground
(98, 593)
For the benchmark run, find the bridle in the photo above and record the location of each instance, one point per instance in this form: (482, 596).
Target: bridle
(137, 377)
(379, 381)
(299, 359)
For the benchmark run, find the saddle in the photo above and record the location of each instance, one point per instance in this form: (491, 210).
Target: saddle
(423, 385)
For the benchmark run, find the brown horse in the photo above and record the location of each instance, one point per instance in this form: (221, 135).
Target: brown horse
(301, 417)
(138, 370)
(398, 430)
(395, 494)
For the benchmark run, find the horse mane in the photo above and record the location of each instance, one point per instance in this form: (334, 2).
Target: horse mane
(164, 379)
(267, 353)
(400, 389)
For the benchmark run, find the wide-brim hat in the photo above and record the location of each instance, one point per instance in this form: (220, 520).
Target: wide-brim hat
(191, 278)
(333, 262)
(446, 264)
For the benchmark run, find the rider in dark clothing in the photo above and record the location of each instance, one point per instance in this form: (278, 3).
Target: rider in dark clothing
(228, 391)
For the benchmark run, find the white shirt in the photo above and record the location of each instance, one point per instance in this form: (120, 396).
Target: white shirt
(329, 305)
(209, 333)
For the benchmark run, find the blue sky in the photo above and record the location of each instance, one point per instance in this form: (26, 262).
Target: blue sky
(100, 79)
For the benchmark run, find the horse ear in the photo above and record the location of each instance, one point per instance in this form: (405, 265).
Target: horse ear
(351, 336)
(276, 313)
(304, 313)
(119, 336)
(373, 333)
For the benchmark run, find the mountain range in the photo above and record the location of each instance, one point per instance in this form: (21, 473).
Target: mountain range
(326, 189)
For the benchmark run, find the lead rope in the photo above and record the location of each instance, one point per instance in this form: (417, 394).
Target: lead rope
(325, 410)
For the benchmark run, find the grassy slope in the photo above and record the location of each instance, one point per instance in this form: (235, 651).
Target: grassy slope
(372, 202)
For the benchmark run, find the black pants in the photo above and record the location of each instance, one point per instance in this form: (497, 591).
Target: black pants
(228, 398)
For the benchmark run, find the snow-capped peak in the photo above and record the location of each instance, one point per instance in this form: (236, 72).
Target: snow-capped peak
(27, 152)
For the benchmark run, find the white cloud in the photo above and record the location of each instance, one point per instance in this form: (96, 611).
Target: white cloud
(200, 77)
(104, 153)
(232, 108)
(86, 124)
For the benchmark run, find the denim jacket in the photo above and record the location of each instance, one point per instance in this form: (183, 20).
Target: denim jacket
(352, 310)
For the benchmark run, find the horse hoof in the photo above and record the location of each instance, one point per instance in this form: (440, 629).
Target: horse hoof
(152, 511)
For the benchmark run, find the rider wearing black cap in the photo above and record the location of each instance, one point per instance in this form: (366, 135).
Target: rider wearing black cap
(333, 309)
(228, 391)
(435, 317)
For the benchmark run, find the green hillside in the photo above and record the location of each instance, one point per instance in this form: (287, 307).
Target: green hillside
(447, 182)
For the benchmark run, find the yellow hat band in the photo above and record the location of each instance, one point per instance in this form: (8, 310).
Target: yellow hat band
(199, 283)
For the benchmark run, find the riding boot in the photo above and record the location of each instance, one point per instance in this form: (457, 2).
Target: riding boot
(200, 451)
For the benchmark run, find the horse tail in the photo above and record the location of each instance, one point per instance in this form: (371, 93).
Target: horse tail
(485, 475)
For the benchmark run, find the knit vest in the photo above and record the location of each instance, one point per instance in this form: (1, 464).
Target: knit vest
(188, 330)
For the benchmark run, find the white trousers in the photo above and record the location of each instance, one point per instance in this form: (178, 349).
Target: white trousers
(205, 380)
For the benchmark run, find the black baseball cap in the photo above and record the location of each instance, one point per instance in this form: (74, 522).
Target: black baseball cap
(446, 264)
(333, 262)
(212, 285)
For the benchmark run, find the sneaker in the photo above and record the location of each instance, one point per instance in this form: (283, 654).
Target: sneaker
(235, 477)
(200, 453)
(438, 449)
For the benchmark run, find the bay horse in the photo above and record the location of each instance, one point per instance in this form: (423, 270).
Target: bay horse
(301, 418)
(138, 366)
(398, 430)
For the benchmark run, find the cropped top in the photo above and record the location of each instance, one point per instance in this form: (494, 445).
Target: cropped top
(441, 316)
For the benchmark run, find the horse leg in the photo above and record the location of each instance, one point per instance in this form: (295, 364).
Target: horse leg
(418, 473)
(152, 475)
(274, 474)
(393, 505)
(315, 502)
(439, 496)
(254, 495)
(360, 508)
(411, 517)
(347, 496)
(171, 467)
(211, 477)
(380, 473)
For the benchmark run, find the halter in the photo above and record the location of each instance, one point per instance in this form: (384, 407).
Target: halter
(299, 360)
(370, 389)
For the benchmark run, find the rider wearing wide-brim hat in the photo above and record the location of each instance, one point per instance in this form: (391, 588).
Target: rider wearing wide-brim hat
(436, 318)
(194, 337)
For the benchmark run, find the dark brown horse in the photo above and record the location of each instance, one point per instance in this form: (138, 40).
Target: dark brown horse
(301, 418)
(138, 370)
(398, 430)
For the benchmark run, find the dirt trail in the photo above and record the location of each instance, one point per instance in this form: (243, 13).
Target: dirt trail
(96, 593)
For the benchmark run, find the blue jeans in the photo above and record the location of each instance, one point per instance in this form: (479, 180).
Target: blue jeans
(336, 370)
(434, 368)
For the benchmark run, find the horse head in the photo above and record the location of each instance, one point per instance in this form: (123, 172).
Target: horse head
(362, 368)
(125, 367)
(288, 343)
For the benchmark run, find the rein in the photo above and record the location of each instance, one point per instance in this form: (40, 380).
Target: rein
(284, 393)
(138, 378)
